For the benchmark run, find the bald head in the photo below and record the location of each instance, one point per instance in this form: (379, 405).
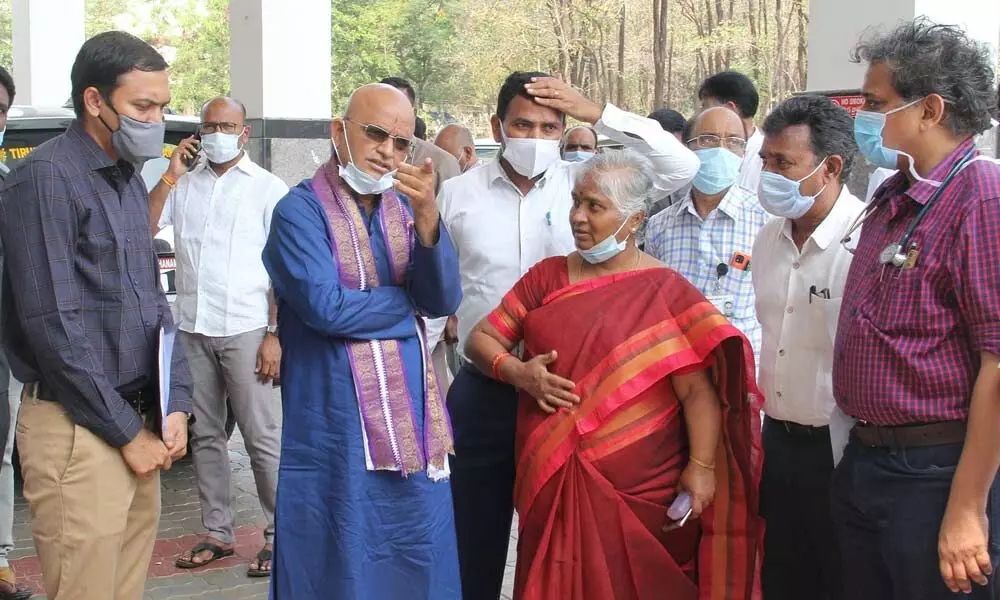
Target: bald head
(721, 122)
(356, 136)
(456, 139)
(224, 103)
(378, 98)
(581, 138)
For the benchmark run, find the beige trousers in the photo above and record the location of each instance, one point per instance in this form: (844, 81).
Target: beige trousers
(94, 522)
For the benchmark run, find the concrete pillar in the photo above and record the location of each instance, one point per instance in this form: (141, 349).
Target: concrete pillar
(280, 57)
(836, 25)
(45, 46)
(280, 68)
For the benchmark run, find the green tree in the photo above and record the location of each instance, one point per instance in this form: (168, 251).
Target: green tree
(200, 71)
(363, 44)
(100, 15)
(6, 36)
(423, 42)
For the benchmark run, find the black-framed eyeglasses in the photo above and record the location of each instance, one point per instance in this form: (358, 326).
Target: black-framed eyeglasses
(710, 140)
(379, 135)
(211, 127)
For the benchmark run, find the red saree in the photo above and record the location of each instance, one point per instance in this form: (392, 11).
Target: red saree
(593, 485)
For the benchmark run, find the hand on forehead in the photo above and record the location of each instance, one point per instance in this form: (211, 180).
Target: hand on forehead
(382, 105)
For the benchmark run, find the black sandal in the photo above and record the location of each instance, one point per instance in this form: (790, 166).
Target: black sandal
(218, 552)
(262, 556)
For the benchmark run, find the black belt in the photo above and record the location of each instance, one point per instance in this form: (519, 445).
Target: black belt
(910, 436)
(143, 403)
(799, 430)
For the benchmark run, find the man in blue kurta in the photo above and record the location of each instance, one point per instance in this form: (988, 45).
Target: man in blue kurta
(364, 510)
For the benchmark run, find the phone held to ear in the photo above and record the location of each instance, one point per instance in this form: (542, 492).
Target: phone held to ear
(190, 160)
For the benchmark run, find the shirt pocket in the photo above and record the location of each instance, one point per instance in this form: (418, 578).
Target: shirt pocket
(821, 320)
(96, 237)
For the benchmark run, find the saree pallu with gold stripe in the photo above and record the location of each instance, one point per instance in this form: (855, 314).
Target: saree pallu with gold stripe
(593, 485)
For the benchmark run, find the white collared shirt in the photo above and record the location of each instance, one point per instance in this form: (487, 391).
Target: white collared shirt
(220, 227)
(500, 234)
(695, 247)
(753, 164)
(796, 360)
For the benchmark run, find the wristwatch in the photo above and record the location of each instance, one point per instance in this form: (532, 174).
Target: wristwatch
(273, 329)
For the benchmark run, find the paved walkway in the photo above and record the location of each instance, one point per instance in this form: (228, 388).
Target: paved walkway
(180, 528)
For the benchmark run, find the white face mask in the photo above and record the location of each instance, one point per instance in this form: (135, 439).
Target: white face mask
(361, 182)
(220, 147)
(530, 156)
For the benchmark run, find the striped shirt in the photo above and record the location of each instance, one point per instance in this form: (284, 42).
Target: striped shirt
(695, 248)
(909, 340)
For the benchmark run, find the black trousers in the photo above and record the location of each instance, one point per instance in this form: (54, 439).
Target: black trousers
(483, 415)
(801, 558)
(887, 508)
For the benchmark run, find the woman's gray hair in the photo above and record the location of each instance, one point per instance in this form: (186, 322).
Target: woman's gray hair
(926, 58)
(624, 176)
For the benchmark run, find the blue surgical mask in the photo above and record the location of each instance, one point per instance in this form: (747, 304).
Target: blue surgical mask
(359, 181)
(578, 156)
(719, 170)
(781, 197)
(2, 132)
(607, 248)
(868, 126)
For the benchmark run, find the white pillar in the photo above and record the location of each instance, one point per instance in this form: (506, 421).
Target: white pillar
(47, 34)
(280, 57)
(836, 25)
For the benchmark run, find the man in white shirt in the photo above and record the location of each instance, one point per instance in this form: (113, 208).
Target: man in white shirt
(503, 218)
(799, 270)
(708, 237)
(221, 214)
(737, 92)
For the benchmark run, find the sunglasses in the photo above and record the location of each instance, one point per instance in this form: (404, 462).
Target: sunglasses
(380, 135)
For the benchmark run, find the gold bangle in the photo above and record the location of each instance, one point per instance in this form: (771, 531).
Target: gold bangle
(170, 182)
(703, 465)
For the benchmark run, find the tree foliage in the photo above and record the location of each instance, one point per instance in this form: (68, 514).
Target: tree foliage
(641, 54)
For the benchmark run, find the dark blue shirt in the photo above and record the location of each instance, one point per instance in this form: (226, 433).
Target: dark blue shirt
(82, 304)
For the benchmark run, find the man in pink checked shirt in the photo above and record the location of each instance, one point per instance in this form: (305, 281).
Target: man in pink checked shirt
(916, 500)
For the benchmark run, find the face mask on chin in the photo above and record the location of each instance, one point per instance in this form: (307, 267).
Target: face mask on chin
(360, 181)
(607, 248)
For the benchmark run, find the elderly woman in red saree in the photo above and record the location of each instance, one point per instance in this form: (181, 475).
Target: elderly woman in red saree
(634, 389)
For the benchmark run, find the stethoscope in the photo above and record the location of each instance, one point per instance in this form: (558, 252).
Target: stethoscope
(894, 254)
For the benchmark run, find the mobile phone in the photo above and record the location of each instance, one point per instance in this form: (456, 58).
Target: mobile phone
(678, 524)
(188, 162)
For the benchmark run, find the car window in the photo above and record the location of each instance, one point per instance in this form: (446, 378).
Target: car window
(18, 141)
